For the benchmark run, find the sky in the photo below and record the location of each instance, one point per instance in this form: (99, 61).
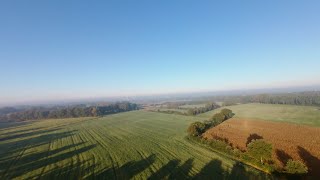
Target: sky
(52, 50)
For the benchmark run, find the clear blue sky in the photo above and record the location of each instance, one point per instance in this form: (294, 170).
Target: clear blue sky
(71, 49)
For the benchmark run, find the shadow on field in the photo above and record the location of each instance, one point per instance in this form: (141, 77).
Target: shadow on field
(174, 169)
(12, 147)
(20, 131)
(214, 170)
(12, 124)
(24, 135)
(76, 170)
(253, 136)
(16, 161)
(50, 158)
(312, 162)
(282, 156)
(66, 162)
(126, 171)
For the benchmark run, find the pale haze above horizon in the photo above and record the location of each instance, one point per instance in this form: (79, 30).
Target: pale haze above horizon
(55, 50)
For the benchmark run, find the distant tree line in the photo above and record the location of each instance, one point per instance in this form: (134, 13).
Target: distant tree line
(68, 112)
(175, 106)
(301, 98)
(7, 110)
(206, 108)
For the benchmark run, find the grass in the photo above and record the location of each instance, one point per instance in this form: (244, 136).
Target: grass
(177, 110)
(307, 115)
(187, 106)
(131, 145)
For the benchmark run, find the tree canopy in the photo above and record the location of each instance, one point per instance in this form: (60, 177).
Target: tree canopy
(69, 112)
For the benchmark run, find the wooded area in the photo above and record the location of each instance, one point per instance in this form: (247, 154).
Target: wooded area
(67, 112)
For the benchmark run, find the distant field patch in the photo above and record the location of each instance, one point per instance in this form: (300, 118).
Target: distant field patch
(308, 115)
(177, 110)
(187, 106)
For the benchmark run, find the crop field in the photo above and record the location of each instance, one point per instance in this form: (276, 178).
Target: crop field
(132, 145)
(308, 115)
(290, 141)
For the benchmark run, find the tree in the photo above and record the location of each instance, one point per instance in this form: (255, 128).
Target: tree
(218, 118)
(260, 150)
(190, 112)
(296, 167)
(227, 113)
(196, 128)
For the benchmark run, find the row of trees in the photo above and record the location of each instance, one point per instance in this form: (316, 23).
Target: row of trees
(206, 108)
(197, 128)
(7, 110)
(302, 98)
(69, 112)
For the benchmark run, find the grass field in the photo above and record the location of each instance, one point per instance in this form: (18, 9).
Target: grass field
(307, 115)
(187, 106)
(132, 145)
(177, 110)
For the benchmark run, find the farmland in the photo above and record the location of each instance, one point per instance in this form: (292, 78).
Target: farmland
(307, 115)
(192, 106)
(136, 145)
(290, 141)
(292, 130)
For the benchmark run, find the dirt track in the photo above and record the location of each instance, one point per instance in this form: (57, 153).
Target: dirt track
(289, 140)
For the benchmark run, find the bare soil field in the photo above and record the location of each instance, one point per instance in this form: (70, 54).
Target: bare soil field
(290, 141)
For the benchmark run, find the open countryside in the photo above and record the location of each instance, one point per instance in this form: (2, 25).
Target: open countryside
(137, 145)
(143, 144)
(160, 90)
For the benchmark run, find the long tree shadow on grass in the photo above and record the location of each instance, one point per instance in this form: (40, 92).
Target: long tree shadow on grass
(13, 124)
(214, 170)
(20, 131)
(166, 170)
(129, 170)
(78, 170)
(126, 171)
(14, 161)
(183, 170)
(33, 164)
(43, 154)
(8, 149)
(28, 134)
(312, 162)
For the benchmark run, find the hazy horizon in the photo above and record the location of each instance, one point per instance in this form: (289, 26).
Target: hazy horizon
(83, 50)
(67, 99)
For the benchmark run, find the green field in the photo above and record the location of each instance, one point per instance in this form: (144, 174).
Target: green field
(132, 145)
(176, 110)
(187, 106)
(308, 115)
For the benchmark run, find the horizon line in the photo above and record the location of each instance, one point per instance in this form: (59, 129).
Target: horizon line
(111, 98)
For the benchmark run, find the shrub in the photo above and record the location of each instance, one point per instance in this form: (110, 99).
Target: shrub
(227, 113)
(260, 150)
(236, 152)
(296, 167)
(218, 118)
(196, 128)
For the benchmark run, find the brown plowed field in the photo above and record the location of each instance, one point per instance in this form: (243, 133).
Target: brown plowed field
(289, 140)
